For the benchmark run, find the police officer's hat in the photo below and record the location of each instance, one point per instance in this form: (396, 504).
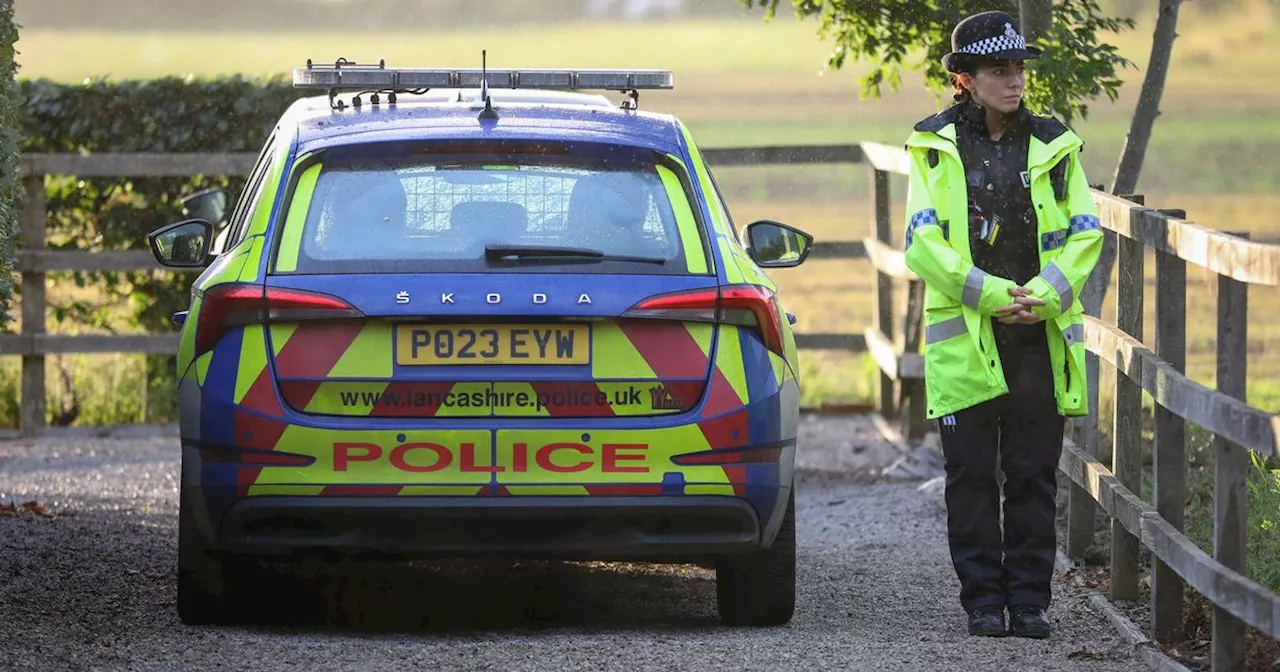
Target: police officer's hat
(987, 36)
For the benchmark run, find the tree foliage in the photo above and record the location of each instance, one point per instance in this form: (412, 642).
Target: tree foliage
(916, 34)
(11, 192)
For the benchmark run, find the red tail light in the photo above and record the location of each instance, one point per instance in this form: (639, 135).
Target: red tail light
(749, 306)
(231, 305)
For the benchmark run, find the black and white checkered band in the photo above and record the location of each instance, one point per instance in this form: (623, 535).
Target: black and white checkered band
(992, 45)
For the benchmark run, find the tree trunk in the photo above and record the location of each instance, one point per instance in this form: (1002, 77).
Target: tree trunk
(1148, 108)
(1130, 165)
(1036, 17)
(1135, 147)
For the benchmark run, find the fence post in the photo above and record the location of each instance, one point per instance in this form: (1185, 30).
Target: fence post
(884, 283)
(1170, 450)
(1231, 466)
(1081, 507)
(912, 393)
(31, 412)
(1126, 461)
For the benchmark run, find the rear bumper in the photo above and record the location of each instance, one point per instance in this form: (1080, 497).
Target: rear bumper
(614, 528)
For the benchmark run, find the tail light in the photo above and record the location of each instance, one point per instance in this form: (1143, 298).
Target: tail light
(749, 306)
(230, 305)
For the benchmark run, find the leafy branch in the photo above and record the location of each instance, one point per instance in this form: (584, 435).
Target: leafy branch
(916, 34)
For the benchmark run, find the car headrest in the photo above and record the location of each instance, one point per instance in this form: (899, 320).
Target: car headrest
(372, 216)
(489, 220)
(608, 201)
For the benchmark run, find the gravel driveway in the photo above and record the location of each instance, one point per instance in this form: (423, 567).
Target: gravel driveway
(94, 589)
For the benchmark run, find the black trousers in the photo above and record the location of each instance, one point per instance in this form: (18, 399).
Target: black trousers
(1021, 434)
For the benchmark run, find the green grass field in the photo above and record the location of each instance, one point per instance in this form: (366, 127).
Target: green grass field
(748, 82)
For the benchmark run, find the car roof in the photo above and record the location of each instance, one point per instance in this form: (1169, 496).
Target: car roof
(449, 114)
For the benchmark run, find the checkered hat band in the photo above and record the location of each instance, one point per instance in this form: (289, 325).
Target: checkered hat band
(992, 45)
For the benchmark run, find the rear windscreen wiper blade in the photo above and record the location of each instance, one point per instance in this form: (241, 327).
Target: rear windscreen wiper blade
(552, 251)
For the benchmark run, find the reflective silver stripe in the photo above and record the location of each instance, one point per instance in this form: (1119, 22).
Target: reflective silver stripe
(946, 329)
(1073, 334)
(1060, 284)
(973, 287)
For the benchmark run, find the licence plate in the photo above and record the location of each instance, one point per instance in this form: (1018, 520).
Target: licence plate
(426, 345)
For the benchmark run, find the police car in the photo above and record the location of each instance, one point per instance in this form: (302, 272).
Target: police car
(485, 313)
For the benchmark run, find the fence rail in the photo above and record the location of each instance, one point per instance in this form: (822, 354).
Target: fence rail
(900, 365)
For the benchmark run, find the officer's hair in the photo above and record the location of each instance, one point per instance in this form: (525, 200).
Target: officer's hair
(961, 94)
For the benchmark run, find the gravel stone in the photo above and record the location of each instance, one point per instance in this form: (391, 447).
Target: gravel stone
(93, 587)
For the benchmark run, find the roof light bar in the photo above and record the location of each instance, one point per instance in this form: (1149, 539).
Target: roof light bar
(347, 76)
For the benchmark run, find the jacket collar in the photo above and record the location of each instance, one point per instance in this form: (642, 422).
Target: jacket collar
(1046, 129)
(974, 117)
(939, 132)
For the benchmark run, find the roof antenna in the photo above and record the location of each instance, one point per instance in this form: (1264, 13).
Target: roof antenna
(488, 113)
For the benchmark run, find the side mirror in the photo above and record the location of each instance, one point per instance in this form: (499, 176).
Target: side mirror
(182, 244)
(776, 245)
(209, 205)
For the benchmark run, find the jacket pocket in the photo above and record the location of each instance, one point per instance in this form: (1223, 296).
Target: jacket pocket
(957, 372)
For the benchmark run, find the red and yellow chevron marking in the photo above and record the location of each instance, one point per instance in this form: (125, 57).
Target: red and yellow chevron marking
(671, 356)
(314, 349)
(729, 385)
(514, 392)
(255, 431)
(345, 368)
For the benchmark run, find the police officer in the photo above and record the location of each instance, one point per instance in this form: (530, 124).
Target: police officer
(1002, 228)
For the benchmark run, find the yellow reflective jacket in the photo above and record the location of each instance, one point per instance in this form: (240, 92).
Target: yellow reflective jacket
(962, 364)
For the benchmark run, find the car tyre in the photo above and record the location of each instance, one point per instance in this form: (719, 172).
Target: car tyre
(759, 589)
(206, 583)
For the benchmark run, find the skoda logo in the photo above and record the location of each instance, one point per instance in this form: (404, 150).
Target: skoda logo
(491, 298)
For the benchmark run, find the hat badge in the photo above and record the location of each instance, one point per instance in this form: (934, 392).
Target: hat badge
(1009, 30)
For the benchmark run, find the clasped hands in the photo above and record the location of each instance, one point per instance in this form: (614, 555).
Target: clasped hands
(1019, 312)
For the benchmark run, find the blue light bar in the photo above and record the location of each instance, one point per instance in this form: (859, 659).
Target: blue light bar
(357, 77)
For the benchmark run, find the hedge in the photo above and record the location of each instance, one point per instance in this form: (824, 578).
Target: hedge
(233, 114)
(11, 192)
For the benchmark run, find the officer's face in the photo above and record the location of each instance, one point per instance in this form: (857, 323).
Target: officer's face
(998, 85)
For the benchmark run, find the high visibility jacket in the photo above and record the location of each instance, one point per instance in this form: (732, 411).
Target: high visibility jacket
(962, 363)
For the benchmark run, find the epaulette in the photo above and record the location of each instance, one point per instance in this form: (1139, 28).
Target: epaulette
(939, 121)
(1047, 129)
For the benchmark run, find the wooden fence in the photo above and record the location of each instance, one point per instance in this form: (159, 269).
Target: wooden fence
(1237, 427)
(893, 341)
(902, 371)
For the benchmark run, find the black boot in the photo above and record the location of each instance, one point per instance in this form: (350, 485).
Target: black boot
(1028, 622)
(987, 623)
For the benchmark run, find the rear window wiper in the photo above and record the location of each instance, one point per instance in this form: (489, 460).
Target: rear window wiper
(496, 252)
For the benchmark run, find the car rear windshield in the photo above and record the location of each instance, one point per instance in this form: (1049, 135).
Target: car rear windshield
(439, 210)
